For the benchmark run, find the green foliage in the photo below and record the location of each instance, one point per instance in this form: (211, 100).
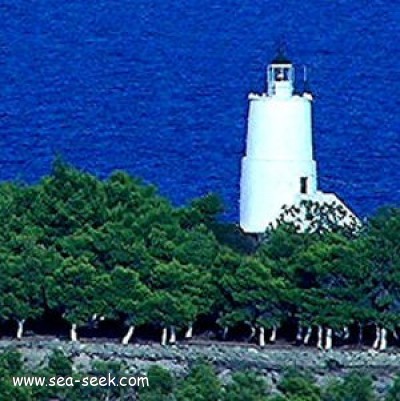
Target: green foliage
(161, 385)
(73, 290)
(245, 386)
(380, 248)
(115, 248)
(11, 365)
(59, 364)
(11, 362)
(201, 211)
(297, 385)
(127, 296)
(354, 387)
(180, 293)
(202, 384)
(325, 273)
(257, 295)
(394, 391)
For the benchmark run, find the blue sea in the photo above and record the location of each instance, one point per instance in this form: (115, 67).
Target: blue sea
(159, 88)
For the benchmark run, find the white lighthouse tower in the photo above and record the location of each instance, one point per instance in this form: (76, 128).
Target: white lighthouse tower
(278, 168)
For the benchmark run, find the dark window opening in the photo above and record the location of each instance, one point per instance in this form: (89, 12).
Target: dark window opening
(281, 74)
(303, 185)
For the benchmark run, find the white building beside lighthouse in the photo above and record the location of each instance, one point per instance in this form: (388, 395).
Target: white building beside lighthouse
(278, 168)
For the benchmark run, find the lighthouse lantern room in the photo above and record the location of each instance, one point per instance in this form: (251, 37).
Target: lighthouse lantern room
(280, 79)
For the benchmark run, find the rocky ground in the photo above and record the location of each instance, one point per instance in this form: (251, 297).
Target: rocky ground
(270, 362)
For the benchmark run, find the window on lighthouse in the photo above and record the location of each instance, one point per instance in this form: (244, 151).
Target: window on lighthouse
(281, 74)
(303, 185)
(280, 78)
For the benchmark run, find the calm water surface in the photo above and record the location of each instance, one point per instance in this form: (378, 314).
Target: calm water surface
(158, 88)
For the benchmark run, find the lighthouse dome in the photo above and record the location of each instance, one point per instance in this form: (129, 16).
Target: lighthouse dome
(280, 58)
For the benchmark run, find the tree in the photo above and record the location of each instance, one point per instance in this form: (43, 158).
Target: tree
(394, 391)
(20, 287)
(204, 210)
(202, 384)
(21, 257)
(381, 253)
(162, 385)
(245, 386)
(128, 298)
(66, 201)
(354, 387)
(226, 262)
(283, 243)
(326, 281)
(258, 296)
(59, 364)
(280, 250)
(10, 366)
(76, 290)
(299, 386)
(180, 295)
(197, 246)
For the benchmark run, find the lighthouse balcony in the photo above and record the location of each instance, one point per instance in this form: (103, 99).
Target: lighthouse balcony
(256, 96)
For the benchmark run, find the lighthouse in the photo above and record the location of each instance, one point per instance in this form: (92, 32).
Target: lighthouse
(278, 168)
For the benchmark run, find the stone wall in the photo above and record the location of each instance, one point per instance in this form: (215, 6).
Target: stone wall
(270, 362)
